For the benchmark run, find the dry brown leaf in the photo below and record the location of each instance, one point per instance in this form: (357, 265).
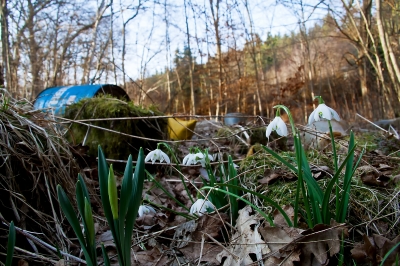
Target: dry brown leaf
(319, 172)
(196, 231)
(278, 237)
(210, 225)
(311, 247)
(272, 175)
(151, 257)
(278, 217)
(208, 252)
(245, 241)
(374, 249)
(374, 178)
(106, 238)
(155, 221)
(319, 241)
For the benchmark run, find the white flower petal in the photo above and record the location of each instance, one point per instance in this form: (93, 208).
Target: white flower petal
(201, 206)
(164, 157)
(199, 156)
(277, 125)
(155, 155)
(144, 209)
(323, 111)
(270, 128)
(186, 159)
(335, 115)
(150, 156)
(311, 117)
(281, 128)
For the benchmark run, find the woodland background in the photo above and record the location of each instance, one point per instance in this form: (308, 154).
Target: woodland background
(345, 50)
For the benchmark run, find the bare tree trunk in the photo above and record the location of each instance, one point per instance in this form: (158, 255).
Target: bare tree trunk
(364, 25)
(124, 25)
(66, 45)
(307, 61)
(167, 47)
(112, 42)
(192, 98)
(390, 61)
(5, 75)
(215, 16)
(254, 58)
(89, 59)
(36, 65)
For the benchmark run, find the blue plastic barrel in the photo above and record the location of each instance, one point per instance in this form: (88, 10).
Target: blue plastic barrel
(235, 118)
(55, 99)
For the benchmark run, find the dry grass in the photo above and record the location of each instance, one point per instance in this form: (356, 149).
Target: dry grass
(34, 158)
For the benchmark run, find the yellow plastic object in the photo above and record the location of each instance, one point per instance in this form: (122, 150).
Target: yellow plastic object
(179, 129)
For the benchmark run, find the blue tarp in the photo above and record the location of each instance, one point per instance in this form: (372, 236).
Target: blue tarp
(55, 99)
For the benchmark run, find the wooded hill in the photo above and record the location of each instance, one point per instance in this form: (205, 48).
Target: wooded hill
(350, 55)
(286, 70)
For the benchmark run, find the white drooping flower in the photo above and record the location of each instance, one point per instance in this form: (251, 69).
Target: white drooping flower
(157, 154)
(145, 209)
(277, 125)
(323, 111)
(189, 159)
(201, 158)
(194, 158)
(201, 206)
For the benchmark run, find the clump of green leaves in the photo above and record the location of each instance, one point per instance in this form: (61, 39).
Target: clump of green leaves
(316, 200)
(120, 215)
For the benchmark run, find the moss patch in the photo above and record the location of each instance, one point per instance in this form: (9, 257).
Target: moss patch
(114, 145)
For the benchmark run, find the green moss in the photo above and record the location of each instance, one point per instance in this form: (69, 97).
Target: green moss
(114, 145)
(367, 140)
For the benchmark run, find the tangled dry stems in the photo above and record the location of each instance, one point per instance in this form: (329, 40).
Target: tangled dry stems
(34, 158)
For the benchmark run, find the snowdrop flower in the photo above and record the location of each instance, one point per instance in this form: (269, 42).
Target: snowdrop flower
(157, 154)
(144, 209)
(277, 125)
(322, 111)
(189, 159)
(201, 206)
(194, 158)
(201, 158)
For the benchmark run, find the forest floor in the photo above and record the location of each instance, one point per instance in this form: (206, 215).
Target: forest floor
(171, 236)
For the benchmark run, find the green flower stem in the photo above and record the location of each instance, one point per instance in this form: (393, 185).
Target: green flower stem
(267, 199)
(291, 121)
(299, 170)
(151, 178)
(179, 169)
(263, 214)
(320, 100)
